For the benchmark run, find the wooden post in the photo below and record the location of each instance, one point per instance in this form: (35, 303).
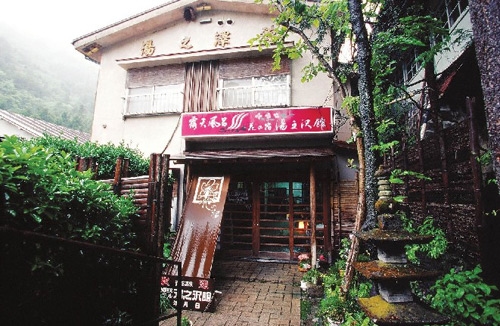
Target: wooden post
(475, 165)
(83, 164)
(157, 216)
(165, 200)
(117, 180)
(291, 221)
(327, 240)
(312, 211)
(255, 218)
(125, 168)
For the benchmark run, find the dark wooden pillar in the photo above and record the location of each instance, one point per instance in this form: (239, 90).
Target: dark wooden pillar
(312, 211)
(255, 218)
(475, 165)
(158, 216)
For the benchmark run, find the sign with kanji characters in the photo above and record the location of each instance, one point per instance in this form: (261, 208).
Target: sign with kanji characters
(257, 122)
(197, 293)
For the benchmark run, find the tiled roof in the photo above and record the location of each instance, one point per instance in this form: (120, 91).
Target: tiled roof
(38, 128)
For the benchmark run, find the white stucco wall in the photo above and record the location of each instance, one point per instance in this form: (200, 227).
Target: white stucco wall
(151, 134)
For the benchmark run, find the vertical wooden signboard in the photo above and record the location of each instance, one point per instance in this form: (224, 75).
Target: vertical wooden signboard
(197, 239)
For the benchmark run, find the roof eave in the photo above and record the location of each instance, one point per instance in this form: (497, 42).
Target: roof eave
(152, 20)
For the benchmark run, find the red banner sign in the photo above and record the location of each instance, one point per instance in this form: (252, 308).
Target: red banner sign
(257, 122)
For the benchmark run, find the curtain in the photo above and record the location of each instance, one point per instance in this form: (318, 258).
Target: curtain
(200, 90)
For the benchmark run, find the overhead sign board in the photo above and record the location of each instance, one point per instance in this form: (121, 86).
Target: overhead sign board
(257, 122)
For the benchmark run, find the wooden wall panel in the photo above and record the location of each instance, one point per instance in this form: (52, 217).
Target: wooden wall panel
(452, 206)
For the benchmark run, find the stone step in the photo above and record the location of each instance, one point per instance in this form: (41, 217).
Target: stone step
(391, 237)
(381, 271)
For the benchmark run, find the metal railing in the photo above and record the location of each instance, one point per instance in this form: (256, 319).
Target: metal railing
(158, 103)
(254, 96)
(58, 242)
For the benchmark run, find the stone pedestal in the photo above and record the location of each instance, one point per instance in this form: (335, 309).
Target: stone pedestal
(392, 275)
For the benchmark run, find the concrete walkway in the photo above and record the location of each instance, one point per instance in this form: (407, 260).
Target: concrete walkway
(253, 293)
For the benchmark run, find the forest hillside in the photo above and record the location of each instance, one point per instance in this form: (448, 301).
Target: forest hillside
(46, 82)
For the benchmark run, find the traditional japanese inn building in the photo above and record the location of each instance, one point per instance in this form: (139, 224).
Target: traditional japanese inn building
(182, 79)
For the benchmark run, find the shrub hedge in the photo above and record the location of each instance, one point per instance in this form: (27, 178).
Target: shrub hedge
(104, 154)
(50, 284)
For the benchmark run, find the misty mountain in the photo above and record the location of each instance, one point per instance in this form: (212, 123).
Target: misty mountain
(46, 81)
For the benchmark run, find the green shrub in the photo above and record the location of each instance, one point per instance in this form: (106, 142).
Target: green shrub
(465, 298)
(51, 282)
(41, 191)
(434, 249)
(305, 309)
(104, 154)
(339, 306)
(312, 276)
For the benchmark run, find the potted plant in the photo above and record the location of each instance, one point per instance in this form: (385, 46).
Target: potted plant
(312, 276)
(304, 262)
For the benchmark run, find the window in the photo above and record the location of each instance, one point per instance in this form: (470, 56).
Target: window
(201, 81)
(154, 99)
(207, 86)
(451, 10)
(251, 92)
(412, 66)
(154, 90)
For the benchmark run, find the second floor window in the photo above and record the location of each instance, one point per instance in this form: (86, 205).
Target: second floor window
(451, 10)
(154, 99)
(263, 91)
(411, 66)
(154, 90)
(203, 86)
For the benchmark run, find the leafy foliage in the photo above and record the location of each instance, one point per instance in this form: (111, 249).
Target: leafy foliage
(434, 249)
(466, 298)
(339, 306)
(312, 276)
(40, 191)
(104, 154)
(321, 27)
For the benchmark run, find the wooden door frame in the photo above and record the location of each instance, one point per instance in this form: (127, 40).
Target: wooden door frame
(325, 204)
(256, 217)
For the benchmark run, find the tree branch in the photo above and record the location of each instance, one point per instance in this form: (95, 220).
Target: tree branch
(318, 55)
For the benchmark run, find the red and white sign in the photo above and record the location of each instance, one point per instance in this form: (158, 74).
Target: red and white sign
(257, 122)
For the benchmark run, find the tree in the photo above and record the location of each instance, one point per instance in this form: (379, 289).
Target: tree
(485, 25)
(366, 110)
(396, 27)
(323, 28)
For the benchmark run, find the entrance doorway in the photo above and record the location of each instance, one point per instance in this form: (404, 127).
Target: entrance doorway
(271, 218)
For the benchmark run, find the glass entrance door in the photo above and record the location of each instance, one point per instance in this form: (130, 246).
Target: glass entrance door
(271, 218)
(273, 225)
